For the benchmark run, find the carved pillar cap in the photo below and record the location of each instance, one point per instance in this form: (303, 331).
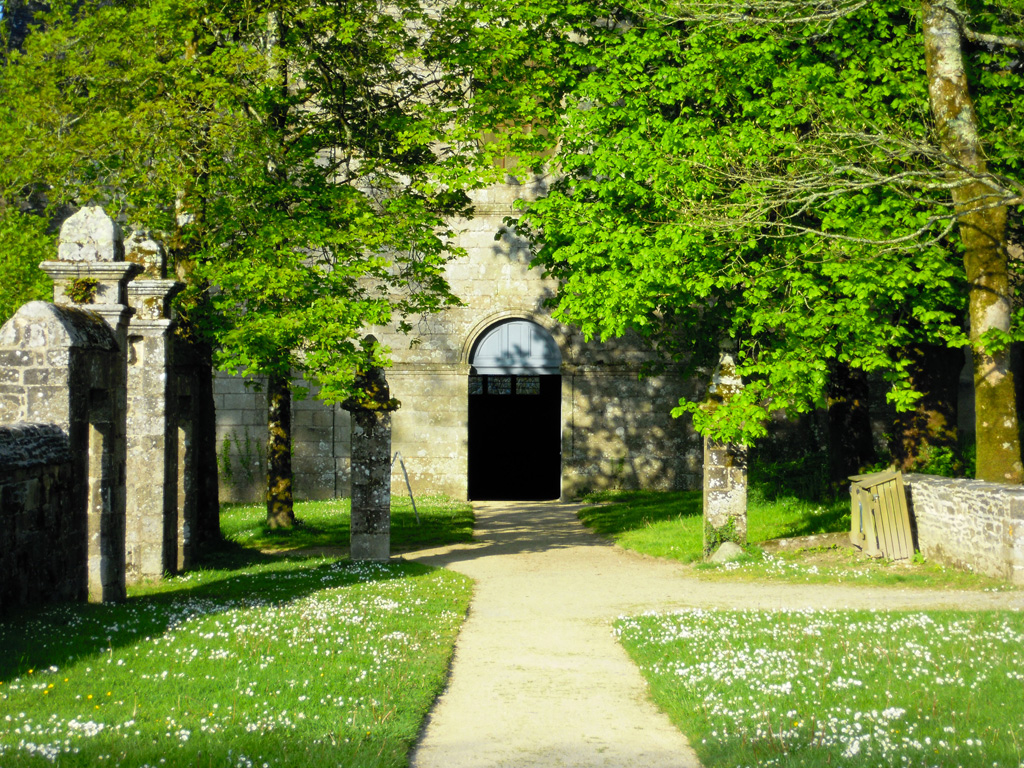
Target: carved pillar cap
(724, 381)
(142, 249)
(151, 299)
(372, 391)
(90, 283)
(90, 236)
(374, 394)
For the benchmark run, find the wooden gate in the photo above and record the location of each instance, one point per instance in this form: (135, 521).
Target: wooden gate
(880, 523)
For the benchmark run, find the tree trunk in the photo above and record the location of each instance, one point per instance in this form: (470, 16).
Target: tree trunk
(983, 231)
(920, 435)
(850, 445)
(280, 513)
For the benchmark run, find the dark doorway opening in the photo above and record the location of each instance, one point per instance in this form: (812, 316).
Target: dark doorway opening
(515, 441)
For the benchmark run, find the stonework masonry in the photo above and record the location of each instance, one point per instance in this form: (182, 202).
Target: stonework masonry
(153, 538)
(725, 494)
(64, 365)
(100, 474)
(725, 470)
(321, 440)
(98, 367)
(969, 524)
(616, 431)
(37, 492)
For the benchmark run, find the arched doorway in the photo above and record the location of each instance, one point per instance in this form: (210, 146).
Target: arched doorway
(515, 437)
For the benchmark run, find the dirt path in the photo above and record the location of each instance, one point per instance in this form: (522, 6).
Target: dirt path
(538, 679)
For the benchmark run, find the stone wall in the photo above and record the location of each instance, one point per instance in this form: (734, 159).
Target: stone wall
(969, 524)
(99, 367)
(616, 428)
(241, 437)
(320, 443)
(64, 368)
(42, 539)
(615, 425)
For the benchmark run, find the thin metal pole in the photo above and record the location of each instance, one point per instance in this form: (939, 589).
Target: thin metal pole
(398, 457)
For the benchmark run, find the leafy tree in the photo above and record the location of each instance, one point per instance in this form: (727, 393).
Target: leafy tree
(770, 176)
(25, 244)
(15, 21)
(290, 152)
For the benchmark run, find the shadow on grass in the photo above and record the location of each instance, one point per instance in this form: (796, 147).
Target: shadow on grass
(229, 577)
(620, 511)
(805, 520)
(328, 524)
(227, 574)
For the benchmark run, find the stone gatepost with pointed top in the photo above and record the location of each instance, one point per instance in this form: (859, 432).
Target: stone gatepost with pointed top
(725, 471)
(58, 363)
(156, 521)
(91, 274)
(371, 466)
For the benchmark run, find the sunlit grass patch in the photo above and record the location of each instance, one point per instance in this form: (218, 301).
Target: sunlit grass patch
(663, 524)
(671, 524)
(289, 663)
(326, 524)
(839, 688)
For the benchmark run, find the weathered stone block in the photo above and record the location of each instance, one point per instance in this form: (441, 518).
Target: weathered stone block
(89, 236)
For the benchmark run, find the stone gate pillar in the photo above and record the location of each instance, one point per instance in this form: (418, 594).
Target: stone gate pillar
(725, 472)
(91, 274)
(60, 367)
(371, 466)
(152, 468)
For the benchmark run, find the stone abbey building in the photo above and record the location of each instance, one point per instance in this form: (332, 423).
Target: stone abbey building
(499, 401)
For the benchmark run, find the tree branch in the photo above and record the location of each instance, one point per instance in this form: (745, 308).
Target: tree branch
(761, 12)
(984, 38)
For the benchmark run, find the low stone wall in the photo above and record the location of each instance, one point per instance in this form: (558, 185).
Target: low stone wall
(42, 543)
(970, 524)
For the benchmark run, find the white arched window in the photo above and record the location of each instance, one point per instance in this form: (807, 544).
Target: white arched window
(518, 348)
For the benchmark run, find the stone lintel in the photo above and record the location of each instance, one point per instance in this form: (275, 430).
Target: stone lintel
(111, 279)
(141, 326)
(433, 369)
(161, 288)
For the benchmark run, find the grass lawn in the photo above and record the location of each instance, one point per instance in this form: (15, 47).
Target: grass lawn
(326, 524)
(254, 660)
(670, 524)
(838, 688)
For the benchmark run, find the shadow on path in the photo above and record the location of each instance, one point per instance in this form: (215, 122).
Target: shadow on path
(516, 528)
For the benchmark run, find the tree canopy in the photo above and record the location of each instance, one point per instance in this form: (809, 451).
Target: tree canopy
(292, 169)
(789, 179)
(294, 155)
(764, 176)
